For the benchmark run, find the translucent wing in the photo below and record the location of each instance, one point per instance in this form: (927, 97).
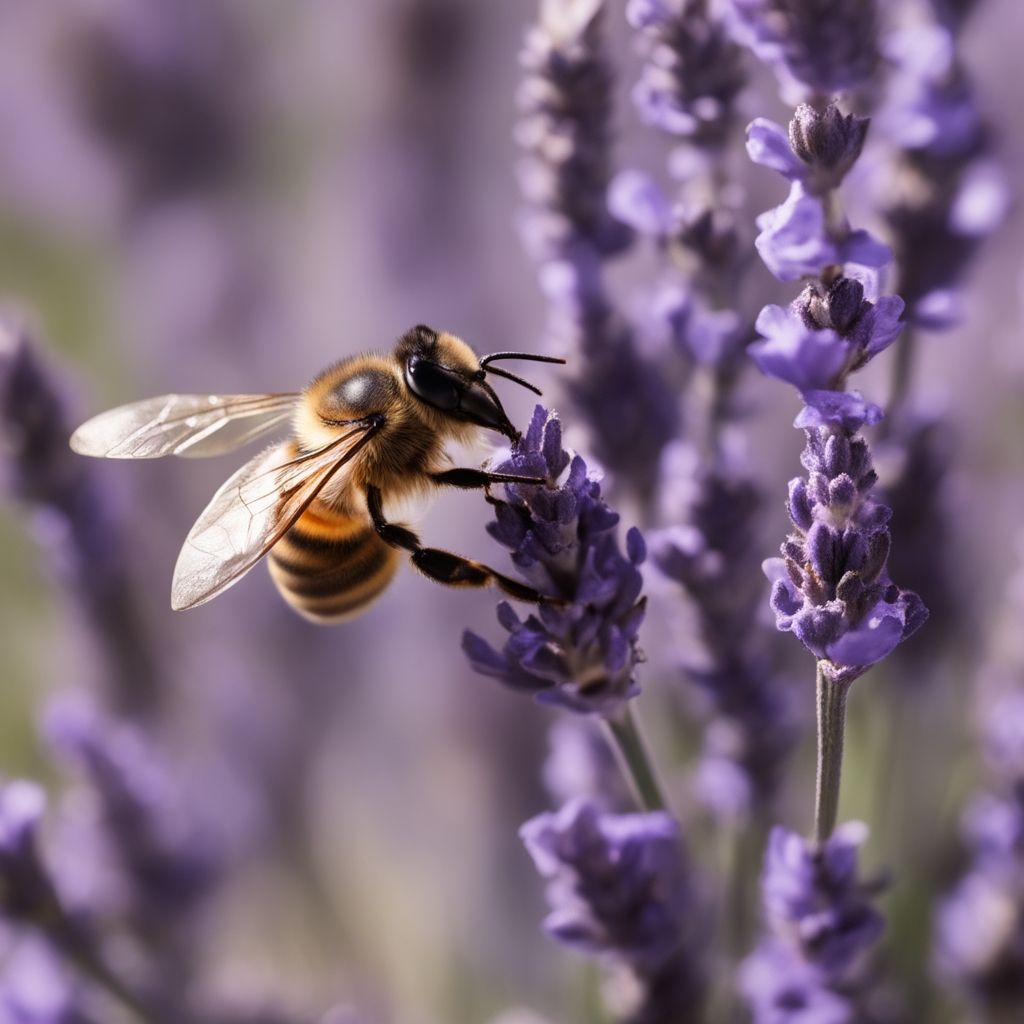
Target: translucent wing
(252, 511)
(191, 425)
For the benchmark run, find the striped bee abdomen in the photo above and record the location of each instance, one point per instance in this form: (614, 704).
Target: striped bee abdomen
(329, 567)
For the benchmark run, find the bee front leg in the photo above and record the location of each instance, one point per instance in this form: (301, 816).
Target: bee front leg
(445, 566)
(475, 479)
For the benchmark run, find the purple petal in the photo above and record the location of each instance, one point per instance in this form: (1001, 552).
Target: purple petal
(636, 549)
(878, 633)
(938, 310)
(768, 145)
(884, 324)
(482, 656)
(845, 409)
(793, 242)
(865, 250)
(638, 200)
(983, 201)
(791, 352)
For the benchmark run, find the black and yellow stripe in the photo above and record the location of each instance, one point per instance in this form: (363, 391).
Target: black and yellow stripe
(329, 567)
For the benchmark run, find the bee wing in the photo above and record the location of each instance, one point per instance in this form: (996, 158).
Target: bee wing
(252, 511)
(191, 425)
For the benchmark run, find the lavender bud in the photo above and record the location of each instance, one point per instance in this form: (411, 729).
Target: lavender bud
(829, 143)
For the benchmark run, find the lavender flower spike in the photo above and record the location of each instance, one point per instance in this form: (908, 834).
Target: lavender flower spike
(29, 898)
(692, 74)
(831, 588)
(619, 888)
(562, 537)
(565, 128)
(167, 861)
(819, 47)
(821, 924)
(979, 928)
(40, 470)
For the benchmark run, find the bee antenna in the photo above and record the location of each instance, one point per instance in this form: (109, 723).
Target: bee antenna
(528, 356)
(514, 377)
(508, 375)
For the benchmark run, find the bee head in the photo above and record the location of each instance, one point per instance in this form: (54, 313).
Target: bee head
(443, 371)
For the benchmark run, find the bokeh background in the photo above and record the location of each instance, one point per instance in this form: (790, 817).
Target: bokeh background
(226, 196)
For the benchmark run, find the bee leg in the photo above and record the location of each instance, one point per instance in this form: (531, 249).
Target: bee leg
(444, 566)
(473, 479)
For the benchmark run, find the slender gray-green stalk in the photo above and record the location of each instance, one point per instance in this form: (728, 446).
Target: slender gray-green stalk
(636, 763)
(831, 721)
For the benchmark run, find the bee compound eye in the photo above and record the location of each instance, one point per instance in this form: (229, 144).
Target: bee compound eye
(432, 383)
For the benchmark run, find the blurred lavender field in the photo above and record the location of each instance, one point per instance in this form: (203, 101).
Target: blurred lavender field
(233, 815)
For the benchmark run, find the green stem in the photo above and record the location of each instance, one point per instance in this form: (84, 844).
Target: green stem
(831, 720)
(635, 760)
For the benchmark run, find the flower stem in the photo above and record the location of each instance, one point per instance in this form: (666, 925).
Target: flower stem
(831, 720)
(635, 761)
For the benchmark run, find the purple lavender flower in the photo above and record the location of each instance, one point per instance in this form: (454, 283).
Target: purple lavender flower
(781, 988)
(794, 241)
(813, 900)
(688, 89)
(801, 238)
(565, 103)
(619, 888)
(562, 537)
(821, 925)
(979, 928)
(817, 150)
(151, 81)
(34, 987)
(29, 900)
(42, 471)
(692, 74)
(823, 46)
(828, 332)
(831, 588)
(713, 556)
(167, 862)
(565, 128)
(942, 193)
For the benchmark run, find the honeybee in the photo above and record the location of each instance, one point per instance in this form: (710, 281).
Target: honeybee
(368, 430)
